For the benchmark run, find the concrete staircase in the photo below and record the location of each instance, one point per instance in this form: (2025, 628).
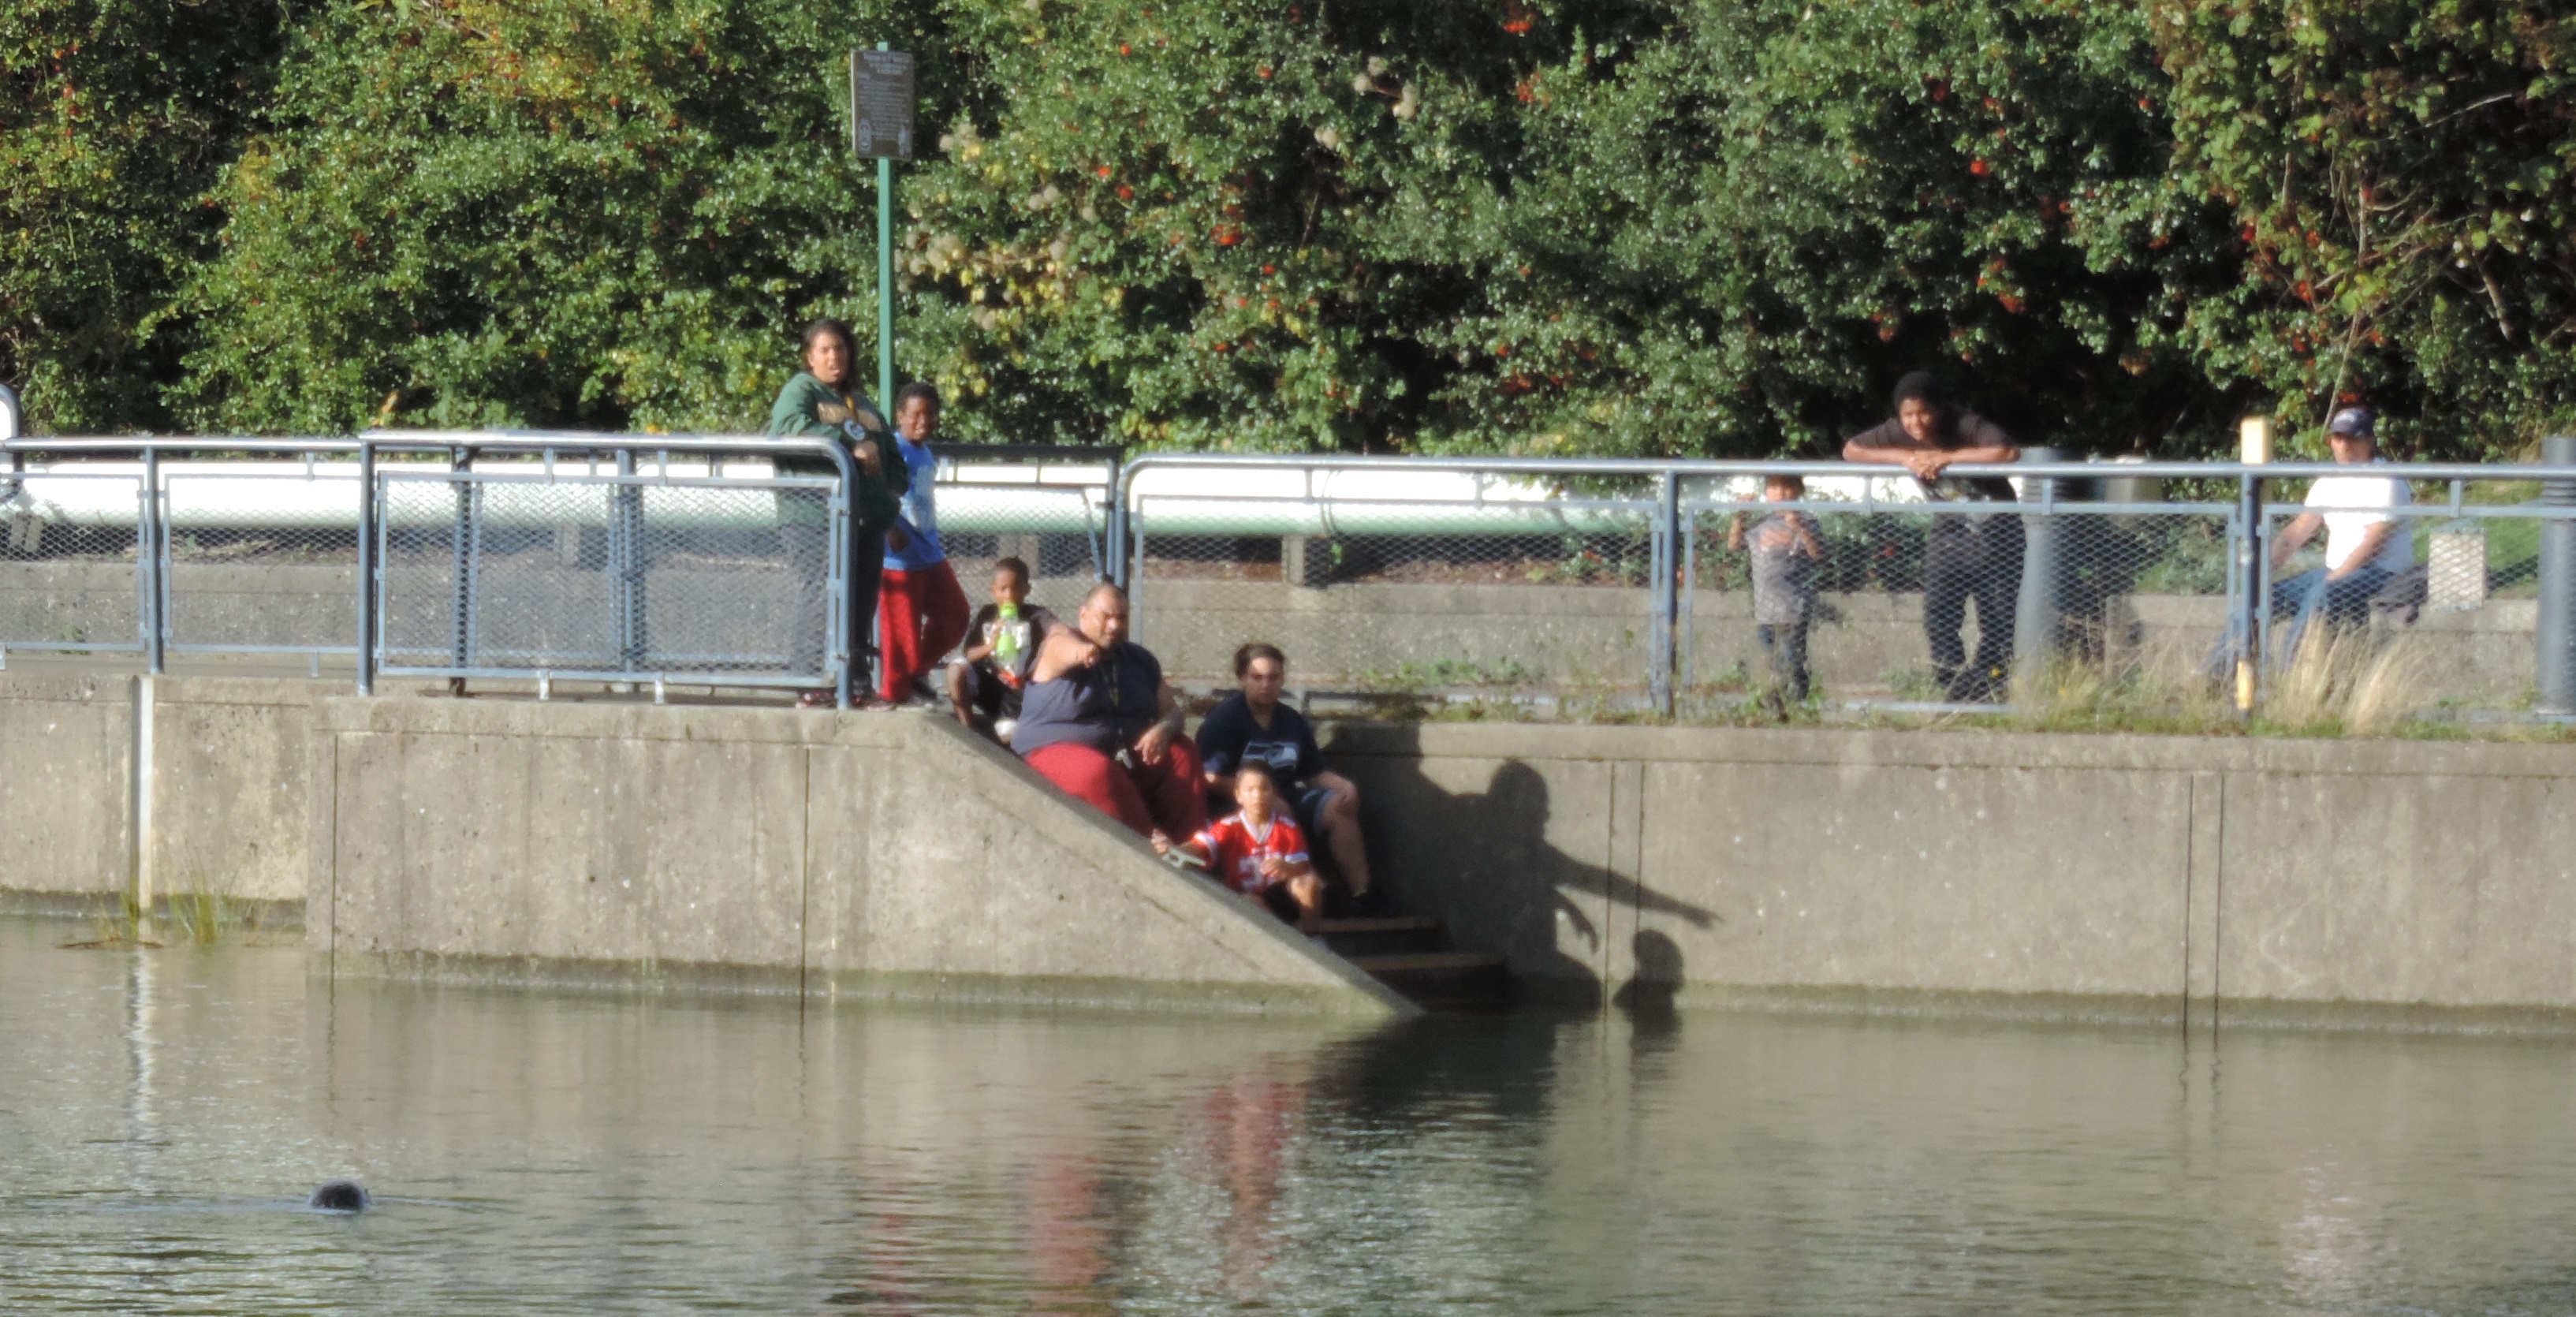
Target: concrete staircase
(1412, 955)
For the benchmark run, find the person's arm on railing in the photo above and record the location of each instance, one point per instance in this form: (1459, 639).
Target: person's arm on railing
(1988, 444)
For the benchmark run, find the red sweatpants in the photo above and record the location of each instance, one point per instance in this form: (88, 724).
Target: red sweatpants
(1170, 795)
(920, 616)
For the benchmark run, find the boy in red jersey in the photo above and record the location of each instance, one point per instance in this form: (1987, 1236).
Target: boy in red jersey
(1259, 852)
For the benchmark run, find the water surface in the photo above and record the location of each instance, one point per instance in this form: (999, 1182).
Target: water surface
(164, 1113)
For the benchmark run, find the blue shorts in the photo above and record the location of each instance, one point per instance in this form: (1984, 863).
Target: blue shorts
(1308, 804)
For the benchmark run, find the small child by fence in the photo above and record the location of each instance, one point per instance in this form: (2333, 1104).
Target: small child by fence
(1786, 552)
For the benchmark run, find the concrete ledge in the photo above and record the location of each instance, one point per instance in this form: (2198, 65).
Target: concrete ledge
(1965, 748)
(2387, 883)
(889, 855)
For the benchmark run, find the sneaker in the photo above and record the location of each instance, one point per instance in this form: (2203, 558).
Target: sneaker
(1371, 904)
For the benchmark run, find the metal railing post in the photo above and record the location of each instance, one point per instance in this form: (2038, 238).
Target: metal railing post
(462, 562)
(367, 569)
(1119, 531)
(626, 563)
(838, 613)
(1665, 567)
(2040, 610)
(151, 558)
(2555, 635)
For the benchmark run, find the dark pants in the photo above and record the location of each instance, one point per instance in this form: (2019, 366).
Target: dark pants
(2305, 598)
(1786, 644)
(1977, 559)
(809, 552)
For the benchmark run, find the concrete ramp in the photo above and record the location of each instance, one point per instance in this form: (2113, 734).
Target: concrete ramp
(870, 854)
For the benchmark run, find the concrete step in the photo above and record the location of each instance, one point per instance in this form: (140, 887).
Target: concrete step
(1442, 980)
(1384, 935)
(1383, 924)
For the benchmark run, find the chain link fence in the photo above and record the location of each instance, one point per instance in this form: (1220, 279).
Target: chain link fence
(1867, 590)
(1441, 587)
(1048, 511)
(573, 574)
(2104, 594)
(2440, 617)
(70, 571)
(260, 561)
(2145, 595)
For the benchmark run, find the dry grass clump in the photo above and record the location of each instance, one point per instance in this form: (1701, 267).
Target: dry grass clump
(2343, 683)
(2351, 683)
(2149, 692)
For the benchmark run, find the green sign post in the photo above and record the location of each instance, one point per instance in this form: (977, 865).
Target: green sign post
(881, 103)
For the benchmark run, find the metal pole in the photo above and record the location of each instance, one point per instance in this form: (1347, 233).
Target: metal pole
(460, 564)
(1666, 601)
(2253, 607)
(626, 560)
(885, 278)
(366, 569)
(2556, 634)
(1114, 535)
(2040, 610)
(151, 548)
(840, 613)
(1686, 637)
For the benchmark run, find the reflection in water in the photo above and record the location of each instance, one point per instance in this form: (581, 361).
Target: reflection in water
(166, 1112)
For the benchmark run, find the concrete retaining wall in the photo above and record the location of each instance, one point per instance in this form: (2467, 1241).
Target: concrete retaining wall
(2083, 874)
(883, 854)
(873, 854)
(228, 781)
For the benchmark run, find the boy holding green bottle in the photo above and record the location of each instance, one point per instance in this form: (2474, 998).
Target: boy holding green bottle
(986, 682)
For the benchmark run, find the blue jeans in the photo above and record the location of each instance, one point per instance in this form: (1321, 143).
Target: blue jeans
(2345, 603)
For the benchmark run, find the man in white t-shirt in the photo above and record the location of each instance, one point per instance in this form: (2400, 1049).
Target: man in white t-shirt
(2366, 541)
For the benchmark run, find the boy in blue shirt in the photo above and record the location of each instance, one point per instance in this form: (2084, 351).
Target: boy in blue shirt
(1252, 724)
(921, 610)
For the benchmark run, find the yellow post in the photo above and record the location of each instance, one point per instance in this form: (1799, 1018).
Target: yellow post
(2254, 448)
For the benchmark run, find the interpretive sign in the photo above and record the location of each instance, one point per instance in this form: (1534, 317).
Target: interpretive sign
(881, 104)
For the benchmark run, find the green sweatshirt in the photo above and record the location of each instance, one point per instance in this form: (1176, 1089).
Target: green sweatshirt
(808, 406)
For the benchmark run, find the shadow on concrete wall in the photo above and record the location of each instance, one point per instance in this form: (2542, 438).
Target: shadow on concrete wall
(1484, 864)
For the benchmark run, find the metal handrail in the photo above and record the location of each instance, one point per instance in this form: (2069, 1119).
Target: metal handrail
(1645, 467)
(2040, 497)
(1661, 491)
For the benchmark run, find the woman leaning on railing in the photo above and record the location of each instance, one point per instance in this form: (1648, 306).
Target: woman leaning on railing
(822, 401)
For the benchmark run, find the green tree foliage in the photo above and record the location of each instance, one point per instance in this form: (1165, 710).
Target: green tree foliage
(115, 118)
(1694, 229)
(551, 213)
(1631, 226)
(2401, 172)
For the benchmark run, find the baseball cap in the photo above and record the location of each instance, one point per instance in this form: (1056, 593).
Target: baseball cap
(2352, 421)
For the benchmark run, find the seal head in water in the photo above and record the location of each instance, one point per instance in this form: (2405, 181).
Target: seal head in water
(339, 1196)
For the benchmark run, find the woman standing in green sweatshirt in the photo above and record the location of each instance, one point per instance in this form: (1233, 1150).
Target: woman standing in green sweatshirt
(822, 401)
